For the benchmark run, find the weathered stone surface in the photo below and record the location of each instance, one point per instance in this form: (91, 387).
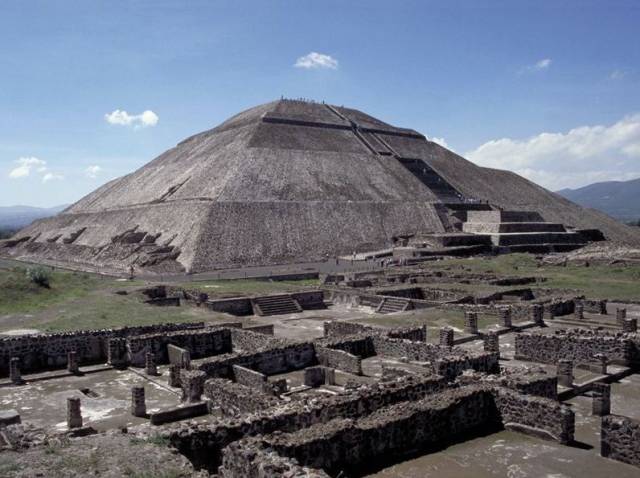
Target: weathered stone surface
(319, 173)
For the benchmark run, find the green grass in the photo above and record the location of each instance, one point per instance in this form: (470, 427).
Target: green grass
(88, 301)
(20, 295)
(245, 287)
(597, 281)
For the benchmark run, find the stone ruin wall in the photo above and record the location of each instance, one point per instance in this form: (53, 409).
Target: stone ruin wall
(247, 459)
(335, 328)
(202, 444)
(536, 416)
(578, 346)
(200, 343)
(249, 378)
(447, 362)
(620, 439)
(270, 361)
(391, 432)
(253, 340)
(355, 444)
(49, 351)
(339, 360)
(234, 399)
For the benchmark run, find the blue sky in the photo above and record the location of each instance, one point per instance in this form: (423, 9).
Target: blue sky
(550, 89)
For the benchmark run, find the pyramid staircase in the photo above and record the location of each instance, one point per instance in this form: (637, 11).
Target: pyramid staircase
(275, 305)
(522, 231)
(389, 305)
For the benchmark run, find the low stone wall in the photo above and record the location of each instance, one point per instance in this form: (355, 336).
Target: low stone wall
(620, 439)
(203, 443)
(235, 399)
(178, 413)
(445, 361)
(336, 328)
(248, 377)
(260, 329)
(593, 306)
(340, 328)
(535, 415)
(580, 346)
(384, 436)
(285, 357)
(339, 360)
(49, 351)
(526, 381)
(361, 443)
(359, 344)
(235, 306)
(252, 340)
(200, 343)
(178, 356)
(416, 334)
(310, 300)
(248, 459)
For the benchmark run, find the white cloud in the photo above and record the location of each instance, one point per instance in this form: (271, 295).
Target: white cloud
(542, 64)
(539, 65)
(575, 158)
(142, 120)
(92, 171)
(441, 142)
(316, 60)
(51, 177)
(617, 75)
(25, 165)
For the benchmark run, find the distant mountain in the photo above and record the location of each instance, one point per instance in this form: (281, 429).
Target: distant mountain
(620, 199)
(17, 217)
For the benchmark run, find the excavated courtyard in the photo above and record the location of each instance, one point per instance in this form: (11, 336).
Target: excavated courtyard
(424, 370)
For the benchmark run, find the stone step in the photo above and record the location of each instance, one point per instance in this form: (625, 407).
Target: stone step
(539, 248)
(511, 227)
(527, 238)
(504, 216)
(275, 305)
(412, 253)
(390, 305)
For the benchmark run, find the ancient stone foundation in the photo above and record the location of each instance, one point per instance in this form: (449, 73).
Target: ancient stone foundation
(150, 367)
(491, 342)
(192, 382)
(49, 351)
(505, 317)
(471, 322)
(74, 415)
(601, 399)
(537, 314)
(565, 373)
(446, 337)
(620, 439)
(138, 404)
(578, 345)
(14, 370)
(72, 362)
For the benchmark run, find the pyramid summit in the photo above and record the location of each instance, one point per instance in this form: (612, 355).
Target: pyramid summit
(290, 181)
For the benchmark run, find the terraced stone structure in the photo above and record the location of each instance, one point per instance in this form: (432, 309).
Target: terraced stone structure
(272, 184)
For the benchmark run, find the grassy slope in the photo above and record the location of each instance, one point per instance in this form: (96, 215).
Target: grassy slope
(597, 281)
(86, 301)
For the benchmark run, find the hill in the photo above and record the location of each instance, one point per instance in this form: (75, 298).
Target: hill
(620, 199)
(17, 217)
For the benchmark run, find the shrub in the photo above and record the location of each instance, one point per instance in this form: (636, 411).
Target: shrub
(39, 275)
